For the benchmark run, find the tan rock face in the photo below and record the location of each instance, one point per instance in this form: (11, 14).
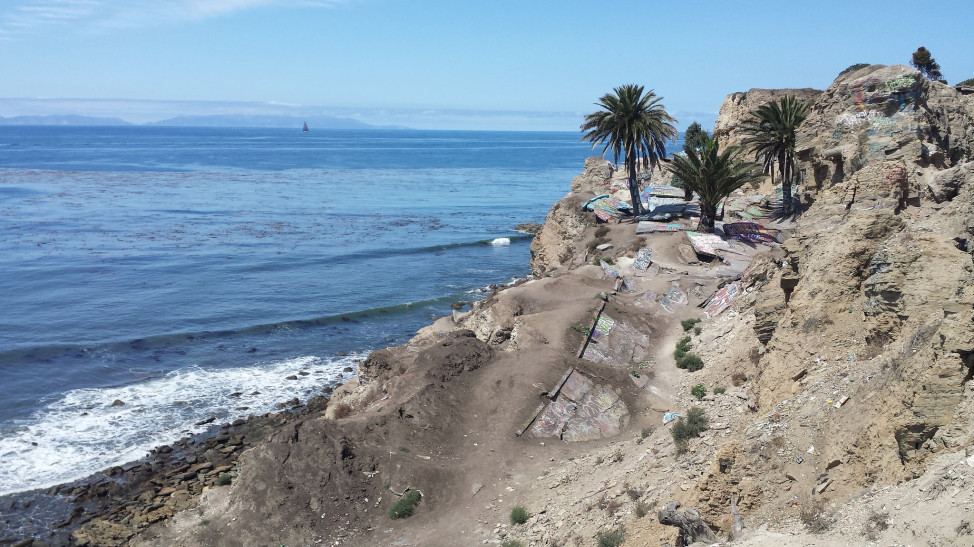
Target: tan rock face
(882, 309)
(737, 107)
(552, 246)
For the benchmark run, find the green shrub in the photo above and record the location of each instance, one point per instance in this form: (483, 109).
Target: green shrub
(856, 66)
(690, 362)
(405, 506)
(967, 83)
(223, 479)
(642, 508)
(719, 389)
(689, 427)
(602, 231)
(682, 347)
(688, 324)
(612, 538)
(698, 391)
(519, 515)
(697, 330)
(646, 432)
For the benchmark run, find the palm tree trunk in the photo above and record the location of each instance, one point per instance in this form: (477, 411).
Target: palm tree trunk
(633, 186)
(785, 184)
(708, 212)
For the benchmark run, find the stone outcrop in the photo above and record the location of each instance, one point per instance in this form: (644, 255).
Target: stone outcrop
(596, 176)
(882, 269)
(738, 106)
(552, 247)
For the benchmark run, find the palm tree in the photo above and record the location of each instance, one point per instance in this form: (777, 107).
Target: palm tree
(771, 136)
(634, 125)
(713, 174)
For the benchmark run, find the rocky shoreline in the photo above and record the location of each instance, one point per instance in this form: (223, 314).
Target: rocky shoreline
(110, 507)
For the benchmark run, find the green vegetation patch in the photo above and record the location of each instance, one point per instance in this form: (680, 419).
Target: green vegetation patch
(689, 427)
(698, 391)
(405, 506)
(519, 515)
(688, 324)
(612, 538)
(690, 362)
(856, 66)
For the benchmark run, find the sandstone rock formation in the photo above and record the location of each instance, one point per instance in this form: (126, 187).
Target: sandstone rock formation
(884, 270)
(738, 106)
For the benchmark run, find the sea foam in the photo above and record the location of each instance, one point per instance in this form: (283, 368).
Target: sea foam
(81, 433)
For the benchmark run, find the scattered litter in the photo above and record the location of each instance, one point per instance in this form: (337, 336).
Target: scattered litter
(670, 416)
(811, 449)
(841, 401)
(799, 459)
(603, 247)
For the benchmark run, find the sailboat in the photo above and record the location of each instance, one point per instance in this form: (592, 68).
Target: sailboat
(305, 130)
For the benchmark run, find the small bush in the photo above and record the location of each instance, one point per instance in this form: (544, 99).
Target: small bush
(512, 543)
(405, 506)
(519, 515)
(602, 231)
(688, 324)
(689, 427)
(738, 379)
(697, 330)
(223, 479)
(967, 83)
(851, 68)
(642, 509)
(613, 538)
(812, 515)
(682, 347)
(719, 389)
(633, 493)
(690, 362)
(646, 432)
(698, 391)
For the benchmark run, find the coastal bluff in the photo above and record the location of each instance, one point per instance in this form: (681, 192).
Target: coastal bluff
(838, 411)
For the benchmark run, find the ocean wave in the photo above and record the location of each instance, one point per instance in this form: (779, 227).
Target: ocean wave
(83, 432)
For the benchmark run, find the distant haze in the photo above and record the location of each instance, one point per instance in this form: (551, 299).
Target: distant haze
(255, 114)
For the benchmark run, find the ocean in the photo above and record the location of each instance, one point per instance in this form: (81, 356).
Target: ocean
(154, 278)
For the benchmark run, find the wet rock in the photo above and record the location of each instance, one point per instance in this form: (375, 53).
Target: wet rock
(118, 402)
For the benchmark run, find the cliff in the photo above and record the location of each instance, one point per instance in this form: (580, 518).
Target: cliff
(837, 382)
(737, 107)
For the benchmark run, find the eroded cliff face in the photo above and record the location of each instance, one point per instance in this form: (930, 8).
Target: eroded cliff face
(882, 276)
(738, 106)
(553, 246)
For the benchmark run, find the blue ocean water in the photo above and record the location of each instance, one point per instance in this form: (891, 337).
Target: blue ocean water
(187, 272)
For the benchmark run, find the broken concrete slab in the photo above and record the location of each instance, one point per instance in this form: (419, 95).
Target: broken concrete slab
(583, 410)
(707, 244)
(720, 300)
(643, 259)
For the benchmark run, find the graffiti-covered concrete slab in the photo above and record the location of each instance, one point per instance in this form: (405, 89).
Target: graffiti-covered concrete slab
(582, 411)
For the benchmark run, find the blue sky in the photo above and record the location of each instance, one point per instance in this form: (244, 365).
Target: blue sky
(447, 64)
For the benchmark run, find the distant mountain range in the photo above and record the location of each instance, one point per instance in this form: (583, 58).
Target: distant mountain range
(218, 120)
(58, 119)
